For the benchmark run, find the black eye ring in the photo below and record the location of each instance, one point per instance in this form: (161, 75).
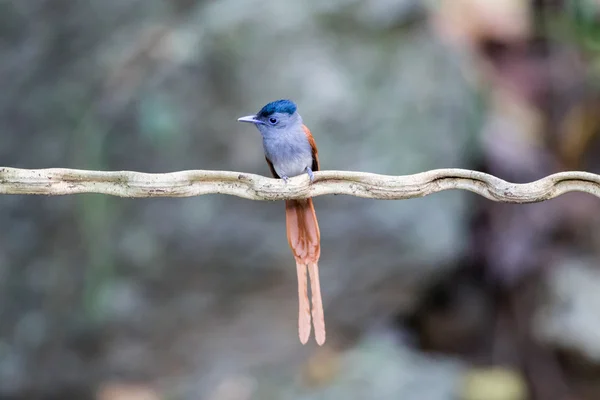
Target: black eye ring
(273, 121)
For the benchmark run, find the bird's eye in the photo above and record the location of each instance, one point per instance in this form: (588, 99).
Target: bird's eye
(273, 121)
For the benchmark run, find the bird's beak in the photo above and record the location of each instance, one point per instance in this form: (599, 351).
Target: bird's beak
(250, 118)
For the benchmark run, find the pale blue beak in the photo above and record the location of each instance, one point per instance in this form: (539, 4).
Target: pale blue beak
(251, 119)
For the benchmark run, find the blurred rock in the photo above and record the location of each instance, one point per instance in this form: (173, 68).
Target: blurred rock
(234, 388)
(378, 367)
(568, 318)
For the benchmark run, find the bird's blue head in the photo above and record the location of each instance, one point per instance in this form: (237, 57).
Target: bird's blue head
(274, 117)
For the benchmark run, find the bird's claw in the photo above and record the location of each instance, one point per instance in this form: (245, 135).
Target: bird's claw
(285, 178)
(311, 176)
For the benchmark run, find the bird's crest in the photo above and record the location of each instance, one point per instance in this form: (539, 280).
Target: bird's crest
(278, 106)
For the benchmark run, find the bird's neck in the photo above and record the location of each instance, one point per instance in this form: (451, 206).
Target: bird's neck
(287, 135)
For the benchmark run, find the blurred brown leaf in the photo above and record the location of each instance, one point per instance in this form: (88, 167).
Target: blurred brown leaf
(126, 391)
(321, 368)
(469, 21)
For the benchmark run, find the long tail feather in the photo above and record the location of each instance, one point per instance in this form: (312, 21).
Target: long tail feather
(303, 230)
(317, 303)
(304, 240)
(304, 325)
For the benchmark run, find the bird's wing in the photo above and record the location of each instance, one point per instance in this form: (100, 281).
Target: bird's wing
(271, 168)
(313, 146)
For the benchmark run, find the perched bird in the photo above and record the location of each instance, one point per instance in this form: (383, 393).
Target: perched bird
(290, 150)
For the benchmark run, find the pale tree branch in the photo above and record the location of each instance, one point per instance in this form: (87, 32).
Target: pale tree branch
(59, 181)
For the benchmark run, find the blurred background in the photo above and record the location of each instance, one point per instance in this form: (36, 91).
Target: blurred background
(445, 297)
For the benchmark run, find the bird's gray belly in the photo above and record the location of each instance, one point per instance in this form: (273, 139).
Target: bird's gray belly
(289, 159)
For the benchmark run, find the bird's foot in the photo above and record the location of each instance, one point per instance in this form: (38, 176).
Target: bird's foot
(311, 176)
(285, 178)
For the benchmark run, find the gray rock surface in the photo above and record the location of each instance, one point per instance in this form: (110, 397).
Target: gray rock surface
(568, 319)
(378, 367)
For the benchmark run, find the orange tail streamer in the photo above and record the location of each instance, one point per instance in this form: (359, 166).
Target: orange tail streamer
(317, 303)
(304, 240)
(304, 325)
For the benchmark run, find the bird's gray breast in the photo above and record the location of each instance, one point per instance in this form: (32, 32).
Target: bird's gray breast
(290, 152)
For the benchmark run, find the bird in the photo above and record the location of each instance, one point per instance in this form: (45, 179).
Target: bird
(290, 150)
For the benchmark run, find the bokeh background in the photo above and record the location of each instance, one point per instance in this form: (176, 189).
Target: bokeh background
(445, 297)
